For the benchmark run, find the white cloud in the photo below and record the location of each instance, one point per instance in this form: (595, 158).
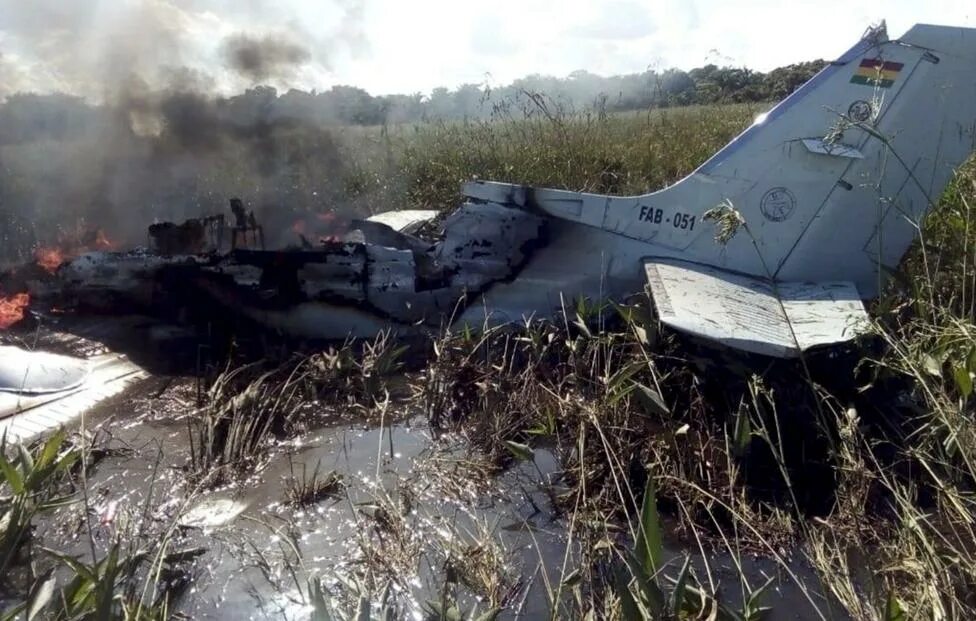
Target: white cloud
(615, 20)
(395, 46)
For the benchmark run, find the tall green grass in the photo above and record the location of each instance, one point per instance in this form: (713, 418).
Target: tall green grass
(861, 460)
(424, 165)
(865, 462)
(629, 153)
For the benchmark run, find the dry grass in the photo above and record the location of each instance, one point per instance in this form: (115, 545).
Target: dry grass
(870, 449)
(306, 488)
(863, 459)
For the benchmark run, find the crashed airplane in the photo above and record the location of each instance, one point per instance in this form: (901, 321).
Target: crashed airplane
(770, 246)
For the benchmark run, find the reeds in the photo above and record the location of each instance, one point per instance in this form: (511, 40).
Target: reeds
(860, 461)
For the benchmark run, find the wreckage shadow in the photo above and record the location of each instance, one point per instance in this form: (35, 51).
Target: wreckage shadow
(157, 346)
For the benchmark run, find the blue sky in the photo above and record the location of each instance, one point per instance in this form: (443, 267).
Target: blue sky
(87, 46)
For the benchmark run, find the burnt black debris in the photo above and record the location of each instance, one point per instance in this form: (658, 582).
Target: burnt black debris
(371, 277)
(246, 232)
(194, 236)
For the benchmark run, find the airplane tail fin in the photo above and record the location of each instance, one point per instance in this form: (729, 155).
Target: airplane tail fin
(832, 184)
(843, 171)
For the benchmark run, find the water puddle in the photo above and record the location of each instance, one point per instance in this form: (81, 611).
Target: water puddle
(407, 510)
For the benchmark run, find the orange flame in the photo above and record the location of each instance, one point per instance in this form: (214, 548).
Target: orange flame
(326, 227)
(70, 246)
(49, 258)
(12, 309)
(102, 242)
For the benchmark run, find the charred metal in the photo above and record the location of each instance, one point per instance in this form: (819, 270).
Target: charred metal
(511, 252)
(375, 269)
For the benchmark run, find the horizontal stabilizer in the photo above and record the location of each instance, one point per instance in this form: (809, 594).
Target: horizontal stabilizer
(753, 314)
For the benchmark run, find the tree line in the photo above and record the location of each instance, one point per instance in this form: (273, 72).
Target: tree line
(25, 117)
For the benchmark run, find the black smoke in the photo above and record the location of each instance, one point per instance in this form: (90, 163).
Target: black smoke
(67, 166)
(109, 119)
(262, 58)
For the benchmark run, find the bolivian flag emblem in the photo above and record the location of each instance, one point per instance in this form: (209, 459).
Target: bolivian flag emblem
(876, 72)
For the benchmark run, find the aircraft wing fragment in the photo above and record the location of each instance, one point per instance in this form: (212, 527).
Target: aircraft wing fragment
(38, 372)
(780, 319)
(404, 220)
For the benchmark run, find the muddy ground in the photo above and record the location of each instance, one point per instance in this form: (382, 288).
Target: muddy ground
(413, 510)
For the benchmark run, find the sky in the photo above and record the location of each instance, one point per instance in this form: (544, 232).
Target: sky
(90, 47)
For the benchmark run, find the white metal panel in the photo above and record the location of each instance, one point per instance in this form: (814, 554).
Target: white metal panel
(404, 219)
(754, 314)
(37, 372)
(24, 418)
(866, 142)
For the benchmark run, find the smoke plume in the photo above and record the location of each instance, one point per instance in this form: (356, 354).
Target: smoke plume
(115, 116)
(261, 58)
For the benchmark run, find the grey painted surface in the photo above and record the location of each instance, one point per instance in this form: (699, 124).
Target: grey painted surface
(753, 314)
(830, 186)
(38, 372)
(24, 418)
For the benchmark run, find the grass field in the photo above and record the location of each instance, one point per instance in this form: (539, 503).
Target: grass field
(862, 462)
(866, 465)
(621, 153)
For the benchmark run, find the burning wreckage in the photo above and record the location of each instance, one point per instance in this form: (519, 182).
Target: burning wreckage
(770, 246)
